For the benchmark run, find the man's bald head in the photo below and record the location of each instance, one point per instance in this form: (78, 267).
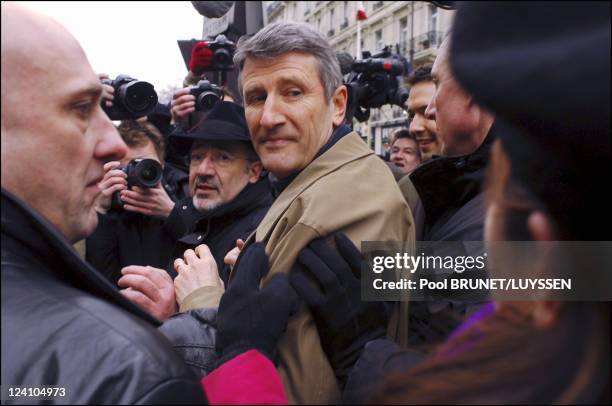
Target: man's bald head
(29, 28)
(29, 41)
(55, 136)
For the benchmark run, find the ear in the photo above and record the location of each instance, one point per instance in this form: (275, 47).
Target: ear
(338, 101)
(540, 226)
(255, 170)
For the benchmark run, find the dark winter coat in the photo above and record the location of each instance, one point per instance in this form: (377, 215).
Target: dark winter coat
(451, 208)
(221, 227)
(124, 238)
(64, 324)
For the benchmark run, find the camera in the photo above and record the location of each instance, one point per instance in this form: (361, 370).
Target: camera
(207, 95)
(207, 92)
(133, 98)
(140, 172)
(223, 54)
(374, 82)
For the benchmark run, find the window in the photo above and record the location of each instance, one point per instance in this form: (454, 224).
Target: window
(378, 41)
(332, 20)
(345, 20)
(433, 19)
(403, 35)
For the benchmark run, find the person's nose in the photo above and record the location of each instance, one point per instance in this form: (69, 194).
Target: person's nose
(111, 146)
(272, 115)
(206, 167)
(430, 111)
(416, 125)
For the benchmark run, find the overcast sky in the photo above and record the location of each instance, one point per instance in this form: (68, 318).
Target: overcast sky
(135, 38)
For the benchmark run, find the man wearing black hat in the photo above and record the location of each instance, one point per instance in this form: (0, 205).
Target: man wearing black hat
(228, 200)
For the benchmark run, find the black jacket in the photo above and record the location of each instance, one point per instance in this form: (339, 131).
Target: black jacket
(124, 238)
(451, 208)
(450, 189)
(64, 324)
(193, 334)
(221, 227)
(380, 359)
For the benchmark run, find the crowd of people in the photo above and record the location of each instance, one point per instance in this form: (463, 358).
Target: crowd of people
(235, 279)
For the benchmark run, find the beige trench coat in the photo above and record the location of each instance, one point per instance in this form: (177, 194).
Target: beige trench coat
(348, 189)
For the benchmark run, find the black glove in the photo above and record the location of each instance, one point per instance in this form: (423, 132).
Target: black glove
(250, 317)
(344, 322)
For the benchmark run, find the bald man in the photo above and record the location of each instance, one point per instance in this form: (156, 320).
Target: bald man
(62, 324)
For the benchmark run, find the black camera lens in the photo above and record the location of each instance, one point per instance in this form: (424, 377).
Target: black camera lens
(143, 173)
(148, 172)
(133, 98)
(399, 97)
(207, 95)
(138, 96)
(222, 58)
(207, 100)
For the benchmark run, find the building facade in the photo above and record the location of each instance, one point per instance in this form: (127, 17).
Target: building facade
(413, 29)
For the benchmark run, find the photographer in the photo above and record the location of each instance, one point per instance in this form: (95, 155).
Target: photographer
(184, 106)
(322, 173)
(207, 82)
(228, 199)
(133, 232)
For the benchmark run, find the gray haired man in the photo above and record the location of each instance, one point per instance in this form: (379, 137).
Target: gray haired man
(325, 178)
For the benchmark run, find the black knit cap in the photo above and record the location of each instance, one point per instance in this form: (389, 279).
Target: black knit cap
(543, 69)
(225, 122)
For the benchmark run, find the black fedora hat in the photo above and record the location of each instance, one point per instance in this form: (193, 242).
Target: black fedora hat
(225, 122)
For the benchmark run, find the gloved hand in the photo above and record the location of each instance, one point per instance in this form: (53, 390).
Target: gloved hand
(345, 323)
(201, 58)
(250, 317)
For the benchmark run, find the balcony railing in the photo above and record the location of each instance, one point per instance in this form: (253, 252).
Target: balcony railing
(432, 39)
(398, 112)
(375, 115)
(429, 40)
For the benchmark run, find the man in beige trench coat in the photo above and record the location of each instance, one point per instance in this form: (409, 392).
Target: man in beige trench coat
(325, 178)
